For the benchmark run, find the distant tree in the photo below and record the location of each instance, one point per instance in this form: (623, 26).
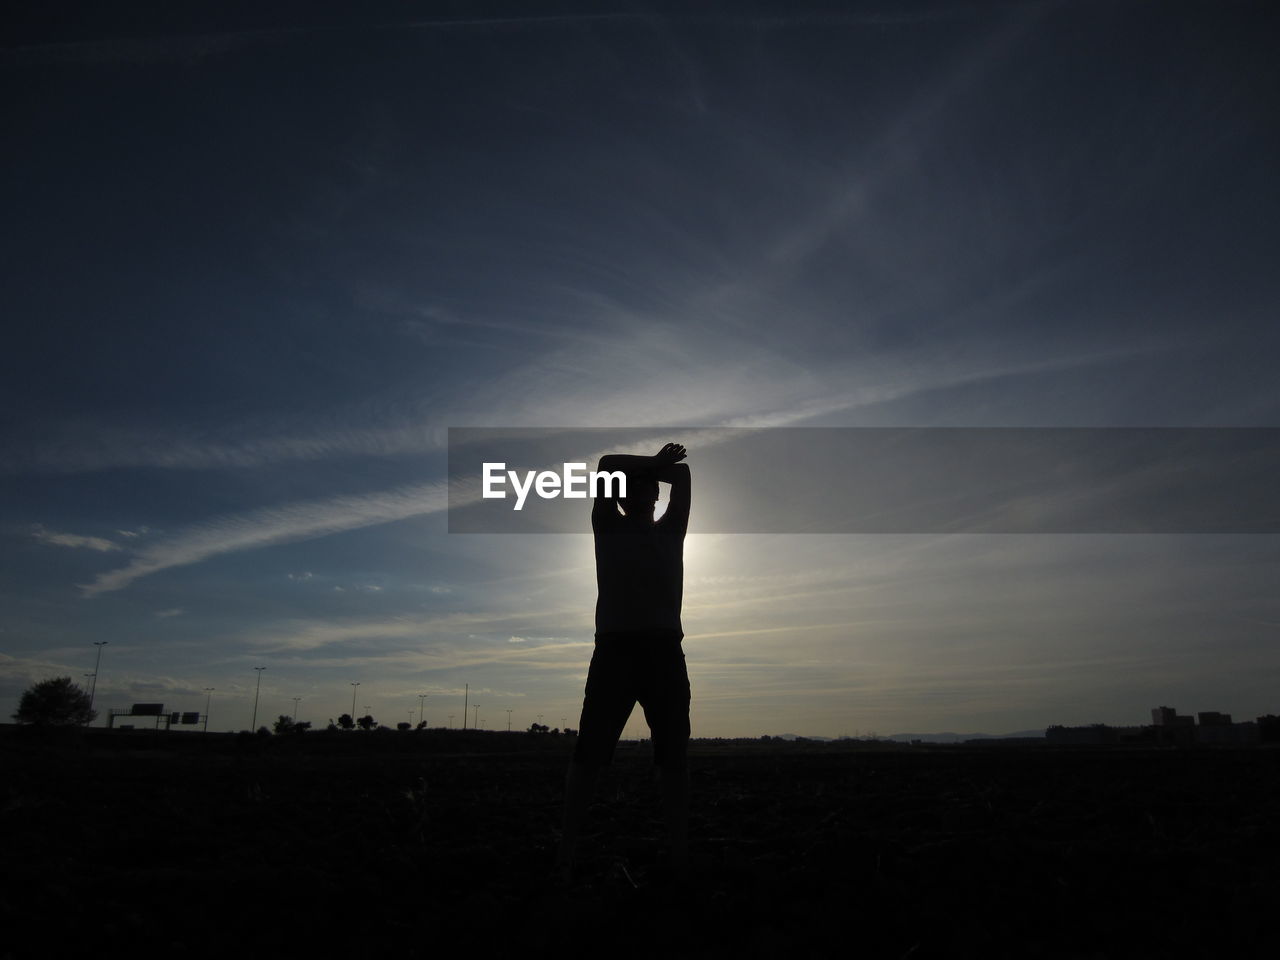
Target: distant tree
(539, 728)
(367, 722)
(1268, 728)
(263, 731)
(55, 703)
(284, 724)
(345, 722)
(422, 725)
(404, 725)
(302, 726)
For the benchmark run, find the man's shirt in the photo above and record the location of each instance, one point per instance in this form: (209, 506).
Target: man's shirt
(639, 574)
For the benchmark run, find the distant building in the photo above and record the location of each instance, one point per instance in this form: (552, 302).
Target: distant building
(1268, 728)
(1169, 727)
(1135, 735)
(1227, 732)
(1212, 718)
(1169, 717)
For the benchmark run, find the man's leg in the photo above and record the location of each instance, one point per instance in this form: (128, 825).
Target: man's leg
(675, 810)
(606, 705)
(667, 713)
(579, 787)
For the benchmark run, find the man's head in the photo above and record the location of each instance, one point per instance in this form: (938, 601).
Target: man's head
(641, 498)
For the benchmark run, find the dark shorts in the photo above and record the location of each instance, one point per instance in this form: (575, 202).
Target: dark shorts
(627, 668)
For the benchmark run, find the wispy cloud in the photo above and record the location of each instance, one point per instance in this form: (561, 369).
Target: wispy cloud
(272, 525)
(18, 673)
(194, 47)
(310, 519)
(445, 629)
(73, 540)
(88, 445)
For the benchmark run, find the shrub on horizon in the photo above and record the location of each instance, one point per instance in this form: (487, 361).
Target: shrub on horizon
(54, 703)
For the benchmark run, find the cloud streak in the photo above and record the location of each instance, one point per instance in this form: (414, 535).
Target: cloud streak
(86, 446)
(316, 518)
(270, 526)
(56, 539)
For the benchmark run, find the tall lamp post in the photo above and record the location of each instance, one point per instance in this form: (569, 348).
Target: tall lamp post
(508, 719)
(208, 696)
(253, 725)
(353, 700)
(475, 725)
(97, 665)
(295, 708)
(421, 699)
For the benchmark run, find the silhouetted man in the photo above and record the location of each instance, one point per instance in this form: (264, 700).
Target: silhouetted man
(638, 656)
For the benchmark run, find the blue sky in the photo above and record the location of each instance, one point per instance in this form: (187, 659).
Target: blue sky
(257, 263)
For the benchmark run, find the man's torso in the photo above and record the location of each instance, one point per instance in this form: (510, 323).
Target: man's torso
(640, 578)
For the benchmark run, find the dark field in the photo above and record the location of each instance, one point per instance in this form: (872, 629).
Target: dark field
(363, 845)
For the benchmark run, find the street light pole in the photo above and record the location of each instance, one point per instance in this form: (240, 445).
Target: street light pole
(421, 698)
(295, 708)
(353, 700)
(208, 696)
(476, 725)
(97, 665)
(253, 726)
(508, 719)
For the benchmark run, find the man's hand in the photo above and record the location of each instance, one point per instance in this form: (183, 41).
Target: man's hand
(671, 453)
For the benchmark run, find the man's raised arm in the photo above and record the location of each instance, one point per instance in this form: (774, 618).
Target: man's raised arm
(604, 509)
(643, 468)
(639, 469)
(676, 518)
